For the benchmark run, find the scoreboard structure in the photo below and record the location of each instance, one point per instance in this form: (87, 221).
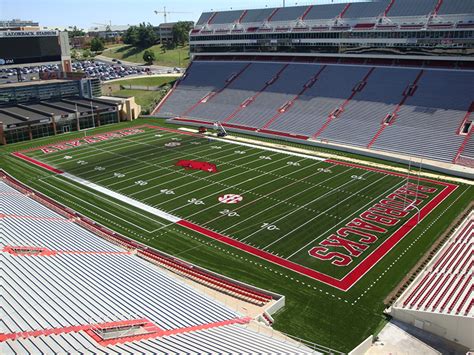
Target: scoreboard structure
(23, 48)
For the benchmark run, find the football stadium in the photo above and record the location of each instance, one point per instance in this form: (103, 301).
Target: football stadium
(305, 185)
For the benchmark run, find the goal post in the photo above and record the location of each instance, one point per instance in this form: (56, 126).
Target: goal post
(221, 132)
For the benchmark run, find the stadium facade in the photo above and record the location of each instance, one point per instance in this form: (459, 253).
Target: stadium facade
(61, 101)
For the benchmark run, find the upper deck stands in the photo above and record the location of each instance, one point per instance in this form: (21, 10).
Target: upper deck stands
(320, 12)
(398, 10)
(425, 123)
(291, 13)
(204, 18)
(257, 15)
(412, 8)
(366, 9)
(226, 17)
(449, 7)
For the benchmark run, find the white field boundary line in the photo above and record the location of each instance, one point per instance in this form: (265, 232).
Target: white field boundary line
(137, 204)
(270, 149)
(97, 207)
(66, 175)
(396, 186)
(260, 143)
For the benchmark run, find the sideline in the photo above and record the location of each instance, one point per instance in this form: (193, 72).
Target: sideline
(255, 142)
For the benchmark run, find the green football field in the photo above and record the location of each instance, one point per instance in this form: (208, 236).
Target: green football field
(281, 203)
(292, 207)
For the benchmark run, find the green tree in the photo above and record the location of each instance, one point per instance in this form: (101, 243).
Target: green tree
(76, 32)
(87, 53)
(180, 32)
(97, 44)
(131, 36)
(146, 35)
(149, 56)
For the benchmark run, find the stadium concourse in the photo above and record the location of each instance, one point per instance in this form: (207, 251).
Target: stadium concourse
(66, 289)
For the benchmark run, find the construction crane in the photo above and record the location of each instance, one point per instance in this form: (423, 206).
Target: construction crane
(166, 13)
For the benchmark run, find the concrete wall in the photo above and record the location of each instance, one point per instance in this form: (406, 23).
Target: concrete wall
(458, 329)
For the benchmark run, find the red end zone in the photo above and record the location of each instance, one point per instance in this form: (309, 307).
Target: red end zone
(364, 266)
(353, 276)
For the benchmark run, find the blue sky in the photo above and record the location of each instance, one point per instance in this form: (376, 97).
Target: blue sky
(84, 13)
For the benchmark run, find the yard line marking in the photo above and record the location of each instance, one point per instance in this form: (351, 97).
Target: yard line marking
(220, 183)
(89, 155)
(182, 177)
(196, 172)
(141, 167)
(300, 155)
(348, 217)
(246, 191)
(119, 160)
(318, 198)
(162, 162)
(273, 206)
(82, 149)
(125, 156)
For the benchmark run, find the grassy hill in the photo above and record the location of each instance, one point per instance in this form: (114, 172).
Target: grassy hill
(147, 99)
(178, 57)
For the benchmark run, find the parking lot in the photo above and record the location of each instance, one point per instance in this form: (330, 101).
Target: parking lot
(92, 69)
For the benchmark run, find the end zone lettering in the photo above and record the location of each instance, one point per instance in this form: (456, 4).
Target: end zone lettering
(357, 236)
(90, 140)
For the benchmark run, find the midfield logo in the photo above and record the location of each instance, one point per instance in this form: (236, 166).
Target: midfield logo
(230, 198)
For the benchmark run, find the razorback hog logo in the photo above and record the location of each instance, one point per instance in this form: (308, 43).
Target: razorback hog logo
(197, 165)
(359, 234)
